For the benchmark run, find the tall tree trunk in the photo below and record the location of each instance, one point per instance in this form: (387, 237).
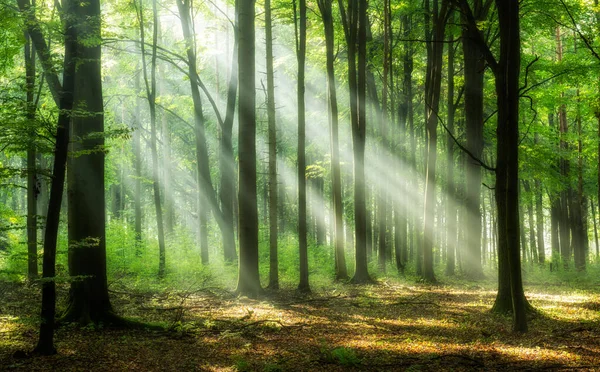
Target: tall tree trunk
(451, 225)
(273, 260)
(578, 205)
(32, 186)
(137, 164)
(595, 230)
(226, 159)
(539, 218)
(248, 279)
(341, 272)
(474, 68)
(436, 16)
(564, 217)
(507, 169)
(150, 83)
(88, 297)
(45, 344)
(300, 27)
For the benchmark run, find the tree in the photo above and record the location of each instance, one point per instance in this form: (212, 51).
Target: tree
(45, 344)
(436, 16)
(273, 233)
(150, 83)
(325, 6)
(506, 71)
(248, 278)
(88, 296)
(474, 69)
(300, 27)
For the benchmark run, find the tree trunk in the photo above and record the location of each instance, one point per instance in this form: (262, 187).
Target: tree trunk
(341, 272)
(539, 218)
(137, 164)
(451, 206)
(45, 344)
(273, 260)
(88, 297)
(32, 186)
(248, 278)
(507, 168)
(474, 69)
(436, 16)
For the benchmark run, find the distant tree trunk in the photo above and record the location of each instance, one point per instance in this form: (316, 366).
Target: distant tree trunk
(300, 27)
(563, 127)
(578, 205)
(341, 272)
(88, 297)
(137, 164)
(595, 230)
(227, 161)
(273, 260)
(474, 69)
(532, 242)
(150, 82)
(437, 17)
(45, 344)
(383, 197)
(32, 186)
(539, 218)
(166, 160)
(248, 279)
(354, 20)
(406, 120)
(451, 224)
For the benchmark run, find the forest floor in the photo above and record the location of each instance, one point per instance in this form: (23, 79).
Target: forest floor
(390, 326)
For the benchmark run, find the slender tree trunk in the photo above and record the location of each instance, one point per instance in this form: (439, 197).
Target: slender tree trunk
(539, 218)
(341, 272)
(595, 230)
(273, 260)
(137, 164)
(32, 186)
(474, 68)
(436, 16)
(451, 206)
(300, 24)
(227, 161)
(45, 344)
(150, 82)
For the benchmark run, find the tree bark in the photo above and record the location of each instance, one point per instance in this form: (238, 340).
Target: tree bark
(273, 233)
(248, 278)
(88, 297)
(45, 344)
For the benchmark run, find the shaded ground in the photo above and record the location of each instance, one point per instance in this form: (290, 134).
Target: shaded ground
(384, 327)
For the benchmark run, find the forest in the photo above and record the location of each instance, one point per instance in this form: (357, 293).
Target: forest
(299, 185)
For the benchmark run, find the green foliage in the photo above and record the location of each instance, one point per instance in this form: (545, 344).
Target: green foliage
(342, 356)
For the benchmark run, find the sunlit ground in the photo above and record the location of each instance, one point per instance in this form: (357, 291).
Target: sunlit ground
(395, 325)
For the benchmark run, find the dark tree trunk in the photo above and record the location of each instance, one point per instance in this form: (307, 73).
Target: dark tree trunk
(45, 344)
(451, 223)
(506, 74)
(341, 272)
(88, 297)
(300, 20)
(248, 279)
(435, 16)
(32, 186)
(273, 260)
(474, 68)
